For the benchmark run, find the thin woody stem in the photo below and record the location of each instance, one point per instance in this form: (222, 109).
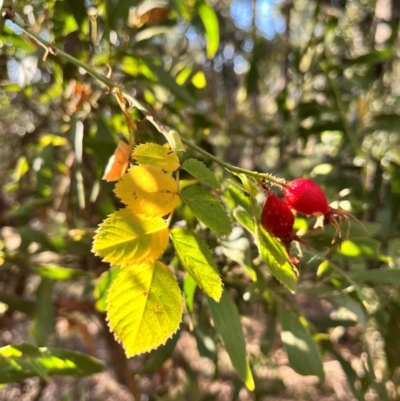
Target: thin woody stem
(50, 49)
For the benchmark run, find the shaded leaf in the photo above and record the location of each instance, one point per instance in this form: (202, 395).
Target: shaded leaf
(124, 238)
(148, 190)
(44, 320)
(197, 260)
(102, 287)
(160, 355)
(208, 209)
(144, 307)
(227, 321)
(199, 170)
(301, 349)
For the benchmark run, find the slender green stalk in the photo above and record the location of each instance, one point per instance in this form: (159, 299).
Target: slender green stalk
(50, 49)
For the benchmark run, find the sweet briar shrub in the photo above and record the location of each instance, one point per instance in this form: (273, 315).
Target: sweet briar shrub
(144, 303)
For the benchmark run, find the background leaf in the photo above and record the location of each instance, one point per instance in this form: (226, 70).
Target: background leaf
(227, 321)
(302, 351)
(19, 362)
(210, 21)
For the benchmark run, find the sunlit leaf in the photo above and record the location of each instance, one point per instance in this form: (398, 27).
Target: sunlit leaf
(156, 155)
(208, 209)
(302, 351)
(211, 25)
(148, 190)
(199, 170)
(144, 307)
(271, 251)
(197, 260)
(124, 238)
(60, 273)
(19, 362)
(227, 321)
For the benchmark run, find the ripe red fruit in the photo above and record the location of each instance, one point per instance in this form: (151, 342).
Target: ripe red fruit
(307, 197)
(278, 220)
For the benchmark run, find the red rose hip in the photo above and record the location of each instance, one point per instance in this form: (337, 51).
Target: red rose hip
(307, 197)
(276, 217)
(278, 220)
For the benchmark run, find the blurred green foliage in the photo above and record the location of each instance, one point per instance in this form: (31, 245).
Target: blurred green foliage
(292, 88)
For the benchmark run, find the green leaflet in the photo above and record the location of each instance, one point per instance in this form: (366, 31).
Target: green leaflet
(208, 209)
(301, 349)
(271, 251)
(144, 307)
(199, 170)
(19, 362)
(156, 155)
(197, 260)
(227, 321)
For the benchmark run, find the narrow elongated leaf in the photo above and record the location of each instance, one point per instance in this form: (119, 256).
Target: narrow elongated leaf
(156, 155)
(189, 289)
(208, 209)
(227, 321)
(197, 260)
(301, 349)
(345, 301)
(169, 82)
(19, 362)
(44, 321)
(60, 273)
(144, 307)
(148, 190)
(378, 276)
(271, 251)
(210, 21)
(124, 238)
(199, 170)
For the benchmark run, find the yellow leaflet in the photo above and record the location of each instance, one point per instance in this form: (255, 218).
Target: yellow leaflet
(124, 238)
(144, 307)
(156, 155)
(148, 190)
